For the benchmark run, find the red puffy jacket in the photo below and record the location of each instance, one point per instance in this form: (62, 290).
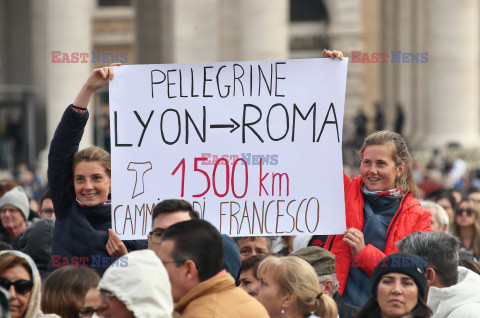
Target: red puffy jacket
(409, 218)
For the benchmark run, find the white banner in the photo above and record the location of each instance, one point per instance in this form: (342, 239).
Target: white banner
(256, 147)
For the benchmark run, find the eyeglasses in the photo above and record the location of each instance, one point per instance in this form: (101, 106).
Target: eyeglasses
(47, 211)
(22, 286)
(11, 210)
(469, 212)
(87, 312)
(156, 236)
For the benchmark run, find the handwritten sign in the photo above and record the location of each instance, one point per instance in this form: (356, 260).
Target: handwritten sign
(254, 146)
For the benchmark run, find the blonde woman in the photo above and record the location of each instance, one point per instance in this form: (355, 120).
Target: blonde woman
(289, 288)
(466, 226)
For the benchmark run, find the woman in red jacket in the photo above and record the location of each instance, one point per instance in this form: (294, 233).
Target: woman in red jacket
(380, 209)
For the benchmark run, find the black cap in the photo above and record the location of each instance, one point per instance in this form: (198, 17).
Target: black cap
(404, 263)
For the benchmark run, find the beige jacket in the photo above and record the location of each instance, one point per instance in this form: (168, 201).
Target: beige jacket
(219, 297)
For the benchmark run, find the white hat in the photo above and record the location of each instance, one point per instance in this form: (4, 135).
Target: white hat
(140, 280)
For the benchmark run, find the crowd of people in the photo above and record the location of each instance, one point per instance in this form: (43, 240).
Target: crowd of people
(399, 257)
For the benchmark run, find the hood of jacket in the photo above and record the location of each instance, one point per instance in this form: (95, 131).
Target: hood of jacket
(459, 300)
(141, 282)
(33, 307)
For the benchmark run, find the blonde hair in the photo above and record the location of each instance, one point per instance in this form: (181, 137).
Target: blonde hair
(400, 156)
(294, 275)
(93, 154)
(455, 229)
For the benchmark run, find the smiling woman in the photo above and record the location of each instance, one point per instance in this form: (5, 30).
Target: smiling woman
(83, 214)
(380, 209)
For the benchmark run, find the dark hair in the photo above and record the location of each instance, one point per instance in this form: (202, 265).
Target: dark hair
(372, 309)
(199, 241)
(6, 185)
(446, 194)
(64, 290)
(439, 248)
(400, 155)
(46, 195)
(251, 262)
(4, 246)
(174, 205)
(470, 264)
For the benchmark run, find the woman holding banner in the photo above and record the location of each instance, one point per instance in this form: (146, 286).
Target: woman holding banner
(380, 209)
(80, 186)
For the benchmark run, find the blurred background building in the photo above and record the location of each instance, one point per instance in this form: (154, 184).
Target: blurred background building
(427, 87)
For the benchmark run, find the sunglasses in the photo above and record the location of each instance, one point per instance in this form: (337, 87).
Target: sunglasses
(469, 212)
(87, 312)
(22, 286)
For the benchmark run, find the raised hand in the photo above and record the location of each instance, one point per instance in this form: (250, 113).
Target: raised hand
(98, 79)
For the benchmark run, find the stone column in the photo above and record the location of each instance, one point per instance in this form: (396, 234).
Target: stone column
(177, 31)
(452, 81)
(346, 34)
(67, 29)
(263, 30)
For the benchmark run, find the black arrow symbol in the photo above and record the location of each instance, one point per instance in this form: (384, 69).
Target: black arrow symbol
(234, 127)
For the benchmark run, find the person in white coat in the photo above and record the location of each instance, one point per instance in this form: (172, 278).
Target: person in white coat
(136, 285)
(452, 290)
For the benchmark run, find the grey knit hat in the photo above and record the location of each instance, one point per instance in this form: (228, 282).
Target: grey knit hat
(18, 198)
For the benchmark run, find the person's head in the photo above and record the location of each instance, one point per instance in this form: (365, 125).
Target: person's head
(399, 288)
(447, 201)
(247, 277)
(474, 195)
(440, 219)
(136, 285)
(92, 176)
(64, 290)
(166, 213)
(289, 285)
(457, 194)
(466, 216)
(441, 251)
(6, 185)
(91, 304)
(14, 211)
(192, 253)
(385, 163)
(323, 262)
(20, 277)
(253, 245)
(46, 206)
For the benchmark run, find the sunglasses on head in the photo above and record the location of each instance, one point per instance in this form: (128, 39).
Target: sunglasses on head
(22, 286)
(461, 211)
